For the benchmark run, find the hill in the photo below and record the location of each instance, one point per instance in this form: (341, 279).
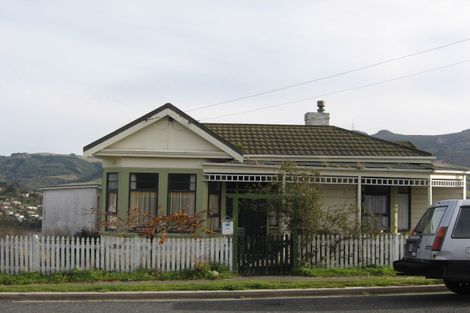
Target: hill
(451, 148)
(31, 171)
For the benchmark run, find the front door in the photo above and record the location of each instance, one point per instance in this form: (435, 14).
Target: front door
(258, 252)
(252, 217)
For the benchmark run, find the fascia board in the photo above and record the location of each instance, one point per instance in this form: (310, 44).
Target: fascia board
(81, 187)
(462, 172)
(338, 158)
(209, 168)
(125, 133)
(160, 154)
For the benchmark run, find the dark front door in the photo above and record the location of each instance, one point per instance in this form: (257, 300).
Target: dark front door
(252, 217)
(260, 253)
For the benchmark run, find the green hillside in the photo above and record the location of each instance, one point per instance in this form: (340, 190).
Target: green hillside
(42, 169)
(451, 148)
(31, 171)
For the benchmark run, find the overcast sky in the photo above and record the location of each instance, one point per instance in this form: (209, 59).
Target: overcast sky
(73, 71)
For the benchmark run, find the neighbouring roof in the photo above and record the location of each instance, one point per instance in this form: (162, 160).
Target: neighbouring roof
(442, 165)
(271, 139)
(82, 185)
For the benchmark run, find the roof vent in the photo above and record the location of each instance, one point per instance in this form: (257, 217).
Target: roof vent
(319, 118)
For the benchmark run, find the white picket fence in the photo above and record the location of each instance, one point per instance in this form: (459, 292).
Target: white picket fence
(336, 251)
(59, 254)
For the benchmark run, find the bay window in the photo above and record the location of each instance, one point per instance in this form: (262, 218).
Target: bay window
(181, 193)
(143, 197)
(214, 206)
(112, 186)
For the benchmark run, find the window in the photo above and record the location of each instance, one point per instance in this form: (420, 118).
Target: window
(403, 201)
(181, 193)
(112, 186)
(143, 197)
(214, 206)
(462, 226)
(273, 219)
(429, 223)
(378, 206)
(376, 202)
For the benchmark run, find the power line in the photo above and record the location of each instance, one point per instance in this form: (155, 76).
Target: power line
(340, 91)
(330, 76)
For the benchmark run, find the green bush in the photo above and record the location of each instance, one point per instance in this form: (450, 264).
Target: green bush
(345, 272)
(200, 271)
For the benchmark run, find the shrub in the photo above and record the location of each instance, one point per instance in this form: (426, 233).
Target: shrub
(87, 233)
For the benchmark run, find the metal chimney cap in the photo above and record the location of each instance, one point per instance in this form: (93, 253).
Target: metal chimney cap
(321, 106)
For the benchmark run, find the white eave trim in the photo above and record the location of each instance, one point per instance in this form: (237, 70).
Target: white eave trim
(239, 168)
(162, 154)
(390, 159)
(95, 186)
(456, 172)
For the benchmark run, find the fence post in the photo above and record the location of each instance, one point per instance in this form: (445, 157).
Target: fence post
(295, 250)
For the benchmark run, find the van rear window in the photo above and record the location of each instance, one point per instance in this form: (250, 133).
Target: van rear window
(430, 221)
(462, 226)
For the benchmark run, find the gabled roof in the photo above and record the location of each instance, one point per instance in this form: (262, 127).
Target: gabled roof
(273, 139)
(155, 114)
(308, 140)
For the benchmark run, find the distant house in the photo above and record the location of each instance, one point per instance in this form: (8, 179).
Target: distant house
(166, 161)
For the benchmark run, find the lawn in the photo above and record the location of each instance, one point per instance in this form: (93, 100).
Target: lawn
(203, 278)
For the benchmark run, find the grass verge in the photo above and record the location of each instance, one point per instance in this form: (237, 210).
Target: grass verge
(218, 285)
(200, 271)
(203, 277)
(346, 272)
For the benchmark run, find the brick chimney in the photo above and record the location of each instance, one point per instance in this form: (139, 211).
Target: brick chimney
(319, 118)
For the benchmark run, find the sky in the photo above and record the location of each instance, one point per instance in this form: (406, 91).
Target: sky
(74, 71)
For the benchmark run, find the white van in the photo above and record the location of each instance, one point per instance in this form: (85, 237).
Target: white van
(439, 246)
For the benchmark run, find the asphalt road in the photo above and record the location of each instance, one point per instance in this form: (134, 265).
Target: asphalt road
(429, 303)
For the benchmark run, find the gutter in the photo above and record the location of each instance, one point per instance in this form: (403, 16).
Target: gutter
(269, 157)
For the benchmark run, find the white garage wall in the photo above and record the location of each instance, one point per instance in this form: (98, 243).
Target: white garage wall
(66, 211)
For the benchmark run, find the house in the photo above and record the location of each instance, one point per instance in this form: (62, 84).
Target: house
(166, 161)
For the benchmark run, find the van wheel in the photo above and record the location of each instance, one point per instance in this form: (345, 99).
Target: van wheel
(459, 287)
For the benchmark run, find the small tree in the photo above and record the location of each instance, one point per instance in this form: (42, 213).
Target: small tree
(303, 212)
(158, 226)
(180, 222)
(299, 202)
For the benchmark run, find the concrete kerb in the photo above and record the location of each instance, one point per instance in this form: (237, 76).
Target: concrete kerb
(221, 294)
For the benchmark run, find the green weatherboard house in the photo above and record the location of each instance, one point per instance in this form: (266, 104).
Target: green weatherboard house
(165, 162)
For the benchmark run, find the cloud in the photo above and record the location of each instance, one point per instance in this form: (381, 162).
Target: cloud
(92, 66)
